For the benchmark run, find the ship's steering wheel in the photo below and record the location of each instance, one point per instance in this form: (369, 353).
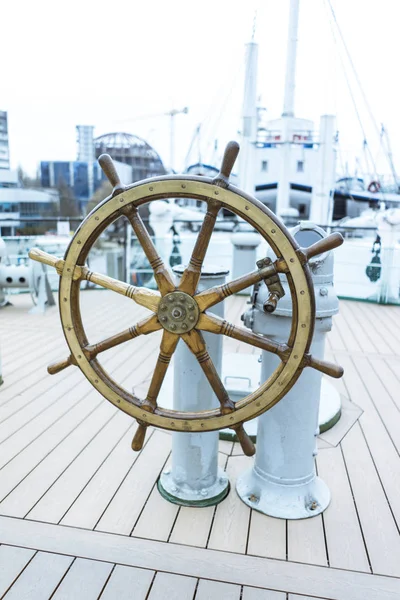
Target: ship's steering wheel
(181, 312)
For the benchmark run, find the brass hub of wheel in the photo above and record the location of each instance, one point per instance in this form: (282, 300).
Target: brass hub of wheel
(178, 312)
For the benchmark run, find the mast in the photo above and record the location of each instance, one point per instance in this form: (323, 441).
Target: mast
(321, 207)
(283, 195)
(290, 81)
(249, 120)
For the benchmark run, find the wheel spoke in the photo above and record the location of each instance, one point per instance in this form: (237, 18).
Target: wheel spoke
(191, 275)
(161, 274)
(141, 296)
(218, 293)
(244, 440)
(139, 437)
(144, 327)
(332, 241)
(197, 345)
(212, 323)
(323, 366)
(167, 348)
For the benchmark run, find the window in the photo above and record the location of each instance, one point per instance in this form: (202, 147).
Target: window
(300, 166)
(264, 165)
(302, 209)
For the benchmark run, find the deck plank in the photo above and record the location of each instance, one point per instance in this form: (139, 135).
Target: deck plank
(231, 521)
(306, 541)
(350, 341)
(60, 496)
(173, 587)
(21, 500)
(359, 331)
(267, 536)
(24, 462)
(358, 312)
(213, 590)
(192, 526)
(387, 409)
(380, 446)
(95, 497)
(250, 593)
(344, 538)
(84, 581)
(227, 567)
(157, 518)
(128, 583)
(38, 432)
(12, 561)
(40, 578)
(126, 506)
(382, 322)
(379, 528)
(102, 477)
(388, 377)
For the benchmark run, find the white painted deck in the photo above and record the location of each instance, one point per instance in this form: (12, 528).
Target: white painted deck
(80, 516)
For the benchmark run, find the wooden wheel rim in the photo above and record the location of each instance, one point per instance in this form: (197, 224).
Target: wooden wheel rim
(251, 210)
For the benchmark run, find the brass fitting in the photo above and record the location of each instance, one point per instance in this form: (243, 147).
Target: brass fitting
(273, 283)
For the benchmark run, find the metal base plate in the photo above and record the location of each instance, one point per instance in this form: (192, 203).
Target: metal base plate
(185, 496)
(283, 501)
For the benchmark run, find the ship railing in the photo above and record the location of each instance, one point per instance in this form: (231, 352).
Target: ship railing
(364, 270)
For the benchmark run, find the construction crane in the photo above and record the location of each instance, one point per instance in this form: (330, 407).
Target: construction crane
(172, 114)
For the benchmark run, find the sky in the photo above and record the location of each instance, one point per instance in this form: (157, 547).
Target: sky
(121, 66)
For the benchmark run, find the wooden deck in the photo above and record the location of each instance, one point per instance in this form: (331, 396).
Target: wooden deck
(80, 516)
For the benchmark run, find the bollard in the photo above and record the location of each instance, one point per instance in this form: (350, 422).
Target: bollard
(194, 478)
(283, 481)
(245, 245)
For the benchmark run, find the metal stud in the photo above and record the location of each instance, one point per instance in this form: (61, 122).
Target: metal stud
(164, 319)
(184, 326)
(173, 327)
(191, 318)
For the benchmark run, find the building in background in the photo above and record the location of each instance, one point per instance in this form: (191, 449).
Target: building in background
(85, 142)
(133, 157)
(4, 149)
(83, 178)
(17, 203)
(133, 151)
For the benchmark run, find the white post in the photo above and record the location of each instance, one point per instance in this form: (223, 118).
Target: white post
(194, 478)
(324, 174)
(245, 244)
(283, 192)
(249, 121)
(161, 219)
(283, 195)
(283, 481)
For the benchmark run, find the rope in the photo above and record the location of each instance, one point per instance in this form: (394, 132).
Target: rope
(366, 146)
(367, 104)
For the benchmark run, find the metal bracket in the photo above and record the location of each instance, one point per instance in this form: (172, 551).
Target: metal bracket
(273, 283)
